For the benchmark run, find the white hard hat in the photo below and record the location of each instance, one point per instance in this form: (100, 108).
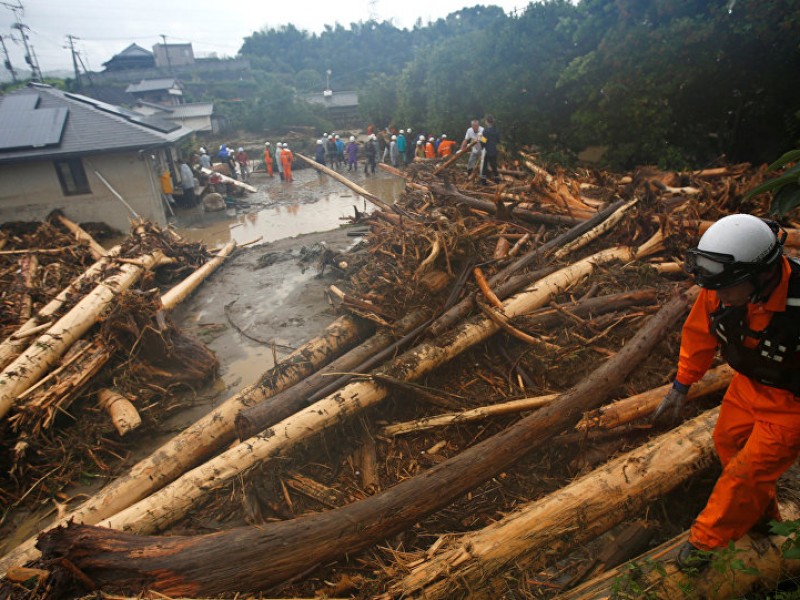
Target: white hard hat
(444, 135)
(394, 137)
(266, 144)
(319, 141)
(203, 151)
(325, 134)
(373, 137)
(422, 137)
(408, 130)
(430, 139)
(352, 138)
(285, 145)
(240, 149)
(733, 250)
(419, 142)
(402, 131)
(337, 136)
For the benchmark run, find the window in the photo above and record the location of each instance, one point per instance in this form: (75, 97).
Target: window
(72, 177)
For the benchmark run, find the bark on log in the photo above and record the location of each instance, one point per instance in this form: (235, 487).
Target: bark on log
(173, 565)
(345, 181)
(48, 348)
(211, 433)
(641, 405)
(17, 342)
(534, 534)
(123, 414)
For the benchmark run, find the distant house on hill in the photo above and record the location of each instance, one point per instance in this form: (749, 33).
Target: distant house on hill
(80, 155)
(198, 116)
(133, 57)
(166, 91)
(173, 55)
(341, 107)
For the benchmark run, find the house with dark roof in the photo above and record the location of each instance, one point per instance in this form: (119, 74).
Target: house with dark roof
(164, 91)
(133, 57)
(92, 160)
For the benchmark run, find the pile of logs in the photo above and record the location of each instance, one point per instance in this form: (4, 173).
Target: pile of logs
(87, 346)
(475, 424)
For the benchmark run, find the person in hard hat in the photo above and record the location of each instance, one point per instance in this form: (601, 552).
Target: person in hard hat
(339, 149)
(287, 158)
(491, 137)
(445, 146)
(242, 159)
(749, 308)
(371, 154)
(430, 151)
(332, 152)
(473, 136)
(352, 155)
(402, 148)
(393, 153)
(319, 152)
(278, 161)
(205, 159)
(268, 158)
(420, 152)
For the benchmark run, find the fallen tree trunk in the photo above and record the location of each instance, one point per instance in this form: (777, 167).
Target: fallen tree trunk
(96, 249)
(533, 535)
(173, 565)
(641, 405)
(345, 181)
(759, 564)
(245, 186)
(12, 346)
(214, 431)
(180, 292)
(42, 354)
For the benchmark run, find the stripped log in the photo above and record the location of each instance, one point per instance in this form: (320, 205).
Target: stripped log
(123, 414)
(214, 431)
(642, 405)
(180, 292)
(49, 347)
(533, 535)
(12, 346)
(346, 182)
(245, 186)
(759, 564)
(234, 559)
(96, 249)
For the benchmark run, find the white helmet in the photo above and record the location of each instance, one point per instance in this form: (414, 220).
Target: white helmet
(325, 134)
(373, 137)
(444, 135)
(422, 138)
(419, 142)
(394, 137)
(319, 141)
(266, 143)
(430, 139)
(285, 145)
(402, 131)
(240, 149)
(352, 138)
(735, 249)
(337, 136)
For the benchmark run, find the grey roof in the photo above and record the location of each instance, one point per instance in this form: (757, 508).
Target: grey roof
(195, 109)
(91, 126)
(152, 85)
(335, 100)
(134, 50)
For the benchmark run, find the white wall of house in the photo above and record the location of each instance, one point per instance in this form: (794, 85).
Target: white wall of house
(30, 191)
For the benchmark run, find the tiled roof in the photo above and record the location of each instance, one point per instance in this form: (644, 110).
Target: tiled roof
(91, 126)
(152, 85)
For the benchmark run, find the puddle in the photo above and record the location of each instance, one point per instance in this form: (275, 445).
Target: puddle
(312, 203)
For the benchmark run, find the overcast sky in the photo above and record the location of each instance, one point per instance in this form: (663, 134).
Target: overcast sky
(105, 27)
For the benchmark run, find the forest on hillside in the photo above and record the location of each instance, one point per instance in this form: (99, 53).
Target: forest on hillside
(670, 82)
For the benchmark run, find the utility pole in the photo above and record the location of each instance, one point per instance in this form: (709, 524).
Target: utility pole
(30, 55)
(8, 60)
(71, 41)
(166, 51)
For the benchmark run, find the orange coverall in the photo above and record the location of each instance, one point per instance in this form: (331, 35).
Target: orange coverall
(430, 152)
(446, 147)
(268, 161)
(757, 436)
(287, 158)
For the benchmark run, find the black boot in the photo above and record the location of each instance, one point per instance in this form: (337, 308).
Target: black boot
(690, 557)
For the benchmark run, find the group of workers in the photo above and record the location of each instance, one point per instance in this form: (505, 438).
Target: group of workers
(281, 159)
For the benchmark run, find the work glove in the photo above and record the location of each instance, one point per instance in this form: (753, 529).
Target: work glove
(672, 404)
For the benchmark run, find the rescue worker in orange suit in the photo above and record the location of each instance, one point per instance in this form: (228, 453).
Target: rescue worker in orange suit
(446, 146)
(268, 158)
(287, 158)
(429, 150)
(749, 307)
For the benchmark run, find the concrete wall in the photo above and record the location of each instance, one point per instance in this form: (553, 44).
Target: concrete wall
(30, 191)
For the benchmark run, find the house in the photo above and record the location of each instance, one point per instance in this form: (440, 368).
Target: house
(94, 161)
(165, 91)
(168, 56)
(133, 57)
(198, 116)
(341, 107)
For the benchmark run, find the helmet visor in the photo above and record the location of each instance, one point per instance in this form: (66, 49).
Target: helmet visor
(715, 270)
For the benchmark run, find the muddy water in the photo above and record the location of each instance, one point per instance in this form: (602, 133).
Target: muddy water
(312, 203)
